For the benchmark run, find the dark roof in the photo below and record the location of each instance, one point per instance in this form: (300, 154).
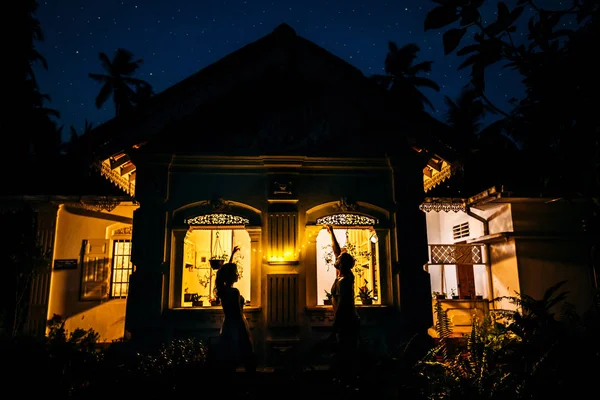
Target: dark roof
(57, 176)
(280, 49)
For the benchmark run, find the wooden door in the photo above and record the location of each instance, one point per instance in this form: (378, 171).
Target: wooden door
(466, 280)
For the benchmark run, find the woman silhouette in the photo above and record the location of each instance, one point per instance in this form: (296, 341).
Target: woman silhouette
(235, 340)
(346, 322)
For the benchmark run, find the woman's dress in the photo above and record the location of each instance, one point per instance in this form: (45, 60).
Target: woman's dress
(235, 338)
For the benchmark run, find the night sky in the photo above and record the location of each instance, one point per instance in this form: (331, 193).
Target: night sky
(176, 38)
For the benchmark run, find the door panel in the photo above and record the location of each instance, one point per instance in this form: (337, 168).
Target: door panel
(466, 280)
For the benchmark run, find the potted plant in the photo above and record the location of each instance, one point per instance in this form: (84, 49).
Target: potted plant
(453, 293)
(364, 293)
(438, 295)
(197, 300)
(478, 296)
(328, 298)
(214, 301)
(217, 260)
(217, 256)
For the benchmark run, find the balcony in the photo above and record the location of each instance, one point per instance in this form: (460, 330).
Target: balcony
(461, 313)
(459, 271)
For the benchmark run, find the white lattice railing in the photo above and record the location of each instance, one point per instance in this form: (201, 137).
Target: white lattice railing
(456, 254)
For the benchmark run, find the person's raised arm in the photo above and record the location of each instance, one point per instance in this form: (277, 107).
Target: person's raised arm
(235, 249)
(334, 243)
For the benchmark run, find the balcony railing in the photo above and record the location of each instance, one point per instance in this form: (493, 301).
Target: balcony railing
(461, 314)
(456, 254)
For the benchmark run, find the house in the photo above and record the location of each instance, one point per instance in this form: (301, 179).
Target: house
(500, 243)
(260, 150)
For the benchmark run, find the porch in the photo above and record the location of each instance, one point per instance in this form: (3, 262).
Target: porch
(461, 282)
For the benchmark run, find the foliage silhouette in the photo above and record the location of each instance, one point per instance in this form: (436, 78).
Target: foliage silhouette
(126, 90)
(402, 80)
(555, 122)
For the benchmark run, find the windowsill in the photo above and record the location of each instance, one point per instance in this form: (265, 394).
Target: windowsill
(215, 309)
(326, 308)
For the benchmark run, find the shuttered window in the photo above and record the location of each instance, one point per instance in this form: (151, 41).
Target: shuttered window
(95, 270)
(460, 231)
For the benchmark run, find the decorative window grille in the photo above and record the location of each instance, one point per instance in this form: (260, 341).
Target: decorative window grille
(217, 219)
(121, 268)
(460, 231)
(346, 220)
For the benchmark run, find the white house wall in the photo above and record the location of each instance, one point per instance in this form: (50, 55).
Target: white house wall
(439, 224)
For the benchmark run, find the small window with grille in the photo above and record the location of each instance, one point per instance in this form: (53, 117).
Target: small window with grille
(121, 268)
(460, 231)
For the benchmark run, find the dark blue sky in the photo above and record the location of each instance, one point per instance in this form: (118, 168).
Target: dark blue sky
(176, 38)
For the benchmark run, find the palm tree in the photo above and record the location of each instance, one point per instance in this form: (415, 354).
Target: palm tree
(477, 146)
(465, 116)
(118, 80)
(402, 80)
(73, 144)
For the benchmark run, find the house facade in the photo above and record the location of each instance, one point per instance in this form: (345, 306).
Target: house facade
(496, 244)
(260, 150)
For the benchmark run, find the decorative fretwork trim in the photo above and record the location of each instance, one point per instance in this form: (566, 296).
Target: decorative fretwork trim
(431, 182)
(346, 220)
(123, 182)
(443, 204)
(127, 230)
(217, 219)
(103, 203)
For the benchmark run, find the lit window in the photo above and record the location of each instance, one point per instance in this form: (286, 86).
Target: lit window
(361, 243)
(199, 272)
(121, 268)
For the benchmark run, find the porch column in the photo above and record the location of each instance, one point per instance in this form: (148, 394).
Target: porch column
(145, 298)
(412, 284)
(256, 258)
(176, 269)
(37, 313)
(309, 255)
(146, 285)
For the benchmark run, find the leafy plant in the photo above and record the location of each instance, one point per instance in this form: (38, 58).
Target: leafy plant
(364, 293)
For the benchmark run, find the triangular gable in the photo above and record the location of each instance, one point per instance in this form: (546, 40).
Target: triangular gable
(184, 98)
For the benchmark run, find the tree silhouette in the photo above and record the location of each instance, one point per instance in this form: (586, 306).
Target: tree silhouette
(473, 143)
(402, 78)
(555, 123)
(39, 135)
(32, 30)
(126, 90)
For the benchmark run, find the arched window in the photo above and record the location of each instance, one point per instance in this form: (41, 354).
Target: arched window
(208, 244)
(356, 235)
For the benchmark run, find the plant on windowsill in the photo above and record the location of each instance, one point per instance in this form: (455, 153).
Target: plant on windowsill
(328, 298)
(438, 295)
(197, 300)
(478, 297)
(453, 294)
(214, 301)
(364, 293)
